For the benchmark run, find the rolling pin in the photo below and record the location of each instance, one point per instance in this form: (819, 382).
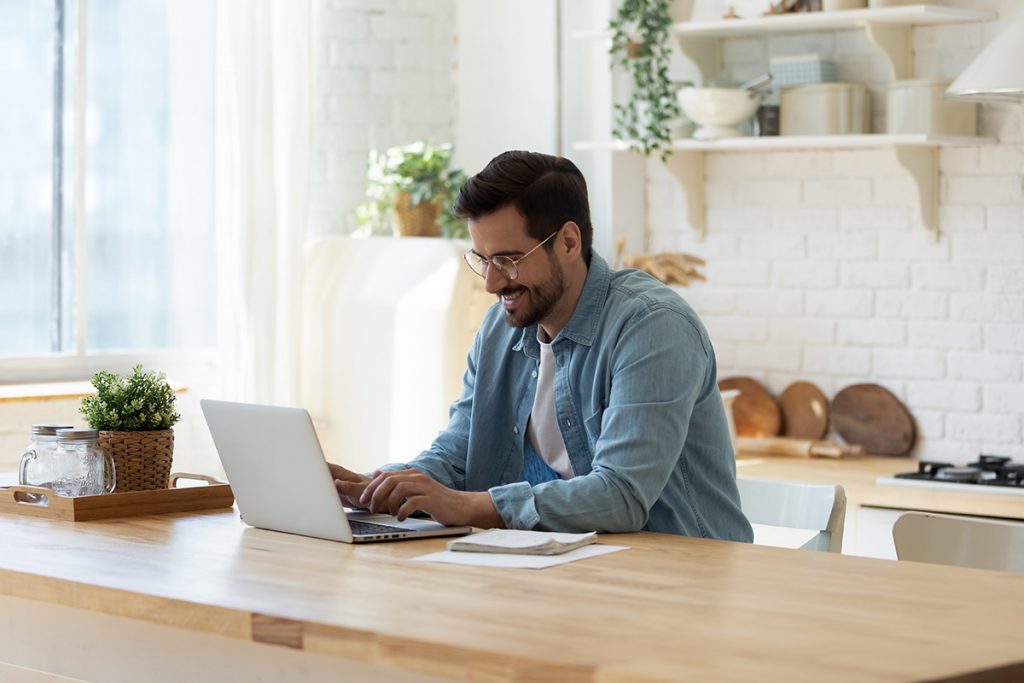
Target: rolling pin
(804, 448)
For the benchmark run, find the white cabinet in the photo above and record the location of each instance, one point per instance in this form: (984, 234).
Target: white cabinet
(387, 324)
(870, 532)
(887, 28)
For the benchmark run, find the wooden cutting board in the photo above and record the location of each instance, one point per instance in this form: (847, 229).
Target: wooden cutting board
(755, 410)
(801, 448)
(804, 411)
(871, 416)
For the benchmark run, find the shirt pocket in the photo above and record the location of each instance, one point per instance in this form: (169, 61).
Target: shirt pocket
(593, 426)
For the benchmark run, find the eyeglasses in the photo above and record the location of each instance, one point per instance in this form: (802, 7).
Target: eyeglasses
(505, 264)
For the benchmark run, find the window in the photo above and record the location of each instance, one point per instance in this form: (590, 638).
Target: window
(106, 177)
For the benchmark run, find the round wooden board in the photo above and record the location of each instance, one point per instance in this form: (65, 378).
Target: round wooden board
(871, 416)
(804, 411)
(755, 410)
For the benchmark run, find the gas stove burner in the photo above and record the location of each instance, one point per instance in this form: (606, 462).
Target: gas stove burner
(970, 475)
(990, 462)
(1009, 475)
(929, 468)
(988, 470)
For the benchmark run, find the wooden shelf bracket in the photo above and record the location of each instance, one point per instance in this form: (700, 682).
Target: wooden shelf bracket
(705, 53)
(895, 41)
(688, 168)
(923, 166)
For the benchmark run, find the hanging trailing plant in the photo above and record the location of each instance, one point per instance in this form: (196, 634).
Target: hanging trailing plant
(640, 45)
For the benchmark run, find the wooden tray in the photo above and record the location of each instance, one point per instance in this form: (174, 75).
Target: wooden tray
(217, 494)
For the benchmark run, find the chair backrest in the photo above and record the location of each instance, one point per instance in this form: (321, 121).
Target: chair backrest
(820, 507)
(960, 541)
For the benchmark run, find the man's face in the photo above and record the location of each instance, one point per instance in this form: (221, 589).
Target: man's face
(534, 294)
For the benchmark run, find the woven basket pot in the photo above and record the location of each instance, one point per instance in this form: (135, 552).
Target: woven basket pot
(142, 460)
(415, 221)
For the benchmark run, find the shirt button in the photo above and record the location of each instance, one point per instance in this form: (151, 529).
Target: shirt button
(568, 423)
(534, 374)
(515, 430)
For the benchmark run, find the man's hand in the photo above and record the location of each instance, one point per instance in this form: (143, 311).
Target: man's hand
(403, 492)
(350, 485)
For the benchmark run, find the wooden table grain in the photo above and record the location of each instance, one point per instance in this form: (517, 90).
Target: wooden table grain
(668, 609)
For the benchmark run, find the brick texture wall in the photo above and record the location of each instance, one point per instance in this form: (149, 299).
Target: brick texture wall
(386, 77)
(817, 268)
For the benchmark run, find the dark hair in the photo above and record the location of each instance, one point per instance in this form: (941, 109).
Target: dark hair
(546, 190)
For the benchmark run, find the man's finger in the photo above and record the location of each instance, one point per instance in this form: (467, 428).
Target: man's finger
(339, 472)
(378, 492)
(348, 488)
(371, 487)
(349, 492)
(411, 506)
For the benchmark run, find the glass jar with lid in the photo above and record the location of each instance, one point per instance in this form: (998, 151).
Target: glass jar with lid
(82, 467)
(38, 460)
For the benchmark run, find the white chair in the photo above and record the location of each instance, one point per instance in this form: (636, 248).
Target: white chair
(960, 541)
(815, 507)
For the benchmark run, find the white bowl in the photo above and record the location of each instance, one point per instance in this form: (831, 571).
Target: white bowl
(717, 111)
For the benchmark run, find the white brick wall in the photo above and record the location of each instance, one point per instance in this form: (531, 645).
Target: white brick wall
(952, 396)
(817, 269)
(385, 77)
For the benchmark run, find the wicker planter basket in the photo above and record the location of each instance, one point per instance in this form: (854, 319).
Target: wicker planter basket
(142, 460)
(417, 221)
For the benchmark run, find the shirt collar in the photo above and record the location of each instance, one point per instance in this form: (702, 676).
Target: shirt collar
(582, 326)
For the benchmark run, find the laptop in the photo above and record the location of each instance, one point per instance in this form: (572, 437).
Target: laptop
(281, 482)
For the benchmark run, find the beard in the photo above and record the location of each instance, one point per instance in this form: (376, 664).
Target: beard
(543, 298)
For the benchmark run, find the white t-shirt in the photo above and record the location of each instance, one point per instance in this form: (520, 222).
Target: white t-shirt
(543, 429)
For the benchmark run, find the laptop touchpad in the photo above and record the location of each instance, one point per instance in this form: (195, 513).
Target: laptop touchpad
(410, 523)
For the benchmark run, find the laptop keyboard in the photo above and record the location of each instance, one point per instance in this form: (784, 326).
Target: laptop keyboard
(366, 528)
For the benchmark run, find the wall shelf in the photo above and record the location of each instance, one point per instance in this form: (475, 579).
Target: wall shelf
(888, 28)
(805, 22)
(916, 154)
(803, 142)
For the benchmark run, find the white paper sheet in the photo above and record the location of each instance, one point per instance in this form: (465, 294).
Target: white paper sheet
(518, 561)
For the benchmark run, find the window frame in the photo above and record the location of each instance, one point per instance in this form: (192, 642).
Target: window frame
(190, 362)
(77, 363)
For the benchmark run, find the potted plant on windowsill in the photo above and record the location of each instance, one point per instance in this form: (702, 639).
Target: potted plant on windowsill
(134, 415)
(640, 45)
(410, 190)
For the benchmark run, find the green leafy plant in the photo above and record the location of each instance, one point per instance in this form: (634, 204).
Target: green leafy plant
(640, 45)
(141, 401)
(420, 169)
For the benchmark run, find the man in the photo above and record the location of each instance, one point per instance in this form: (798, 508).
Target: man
(590, 400)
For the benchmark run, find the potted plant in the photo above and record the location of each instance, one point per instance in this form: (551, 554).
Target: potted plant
(410, 190)
(134, 415)
(640, 45)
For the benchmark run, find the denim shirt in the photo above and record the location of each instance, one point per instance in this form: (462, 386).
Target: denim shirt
(638, 407)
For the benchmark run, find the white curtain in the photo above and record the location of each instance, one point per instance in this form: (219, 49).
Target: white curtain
(265, 76)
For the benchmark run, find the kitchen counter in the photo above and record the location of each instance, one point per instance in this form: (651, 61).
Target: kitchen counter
(83, 599)
(857, 475)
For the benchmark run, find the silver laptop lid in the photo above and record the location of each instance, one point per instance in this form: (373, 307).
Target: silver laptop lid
(276, 469)
(281, 481)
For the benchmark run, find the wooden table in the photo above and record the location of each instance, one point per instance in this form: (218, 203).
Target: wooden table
(201, 597)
